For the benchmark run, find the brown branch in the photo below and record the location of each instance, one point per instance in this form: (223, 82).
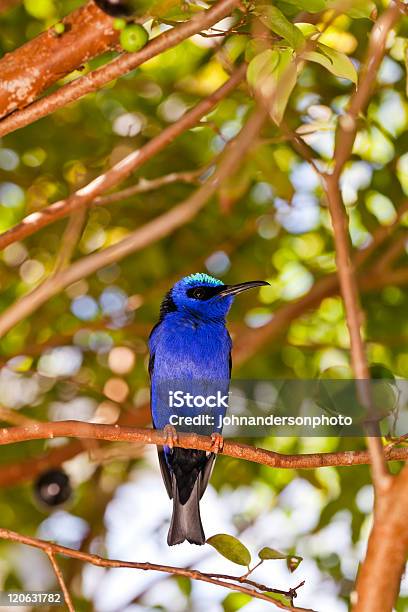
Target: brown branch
(354, 318)
(233, 583)
(393, 252)
(60, 577)
(69, 240)
(348, 123)
(120, 171)
(238, 450)
(13, 417)
(380, 235)
(118, 67)
(145, 185)
(378, 581)
(345, 268)
(344, 143)
(374, 594)
(32, 68)
(154, 230)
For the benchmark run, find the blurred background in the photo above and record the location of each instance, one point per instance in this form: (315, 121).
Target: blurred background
(83, 354)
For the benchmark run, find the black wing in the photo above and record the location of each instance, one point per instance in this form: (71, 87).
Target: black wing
(165, 472)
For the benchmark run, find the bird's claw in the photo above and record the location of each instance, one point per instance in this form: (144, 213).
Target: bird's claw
(217, 443)
(171, 437)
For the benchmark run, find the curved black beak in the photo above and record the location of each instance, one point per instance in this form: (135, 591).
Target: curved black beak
(235, 289)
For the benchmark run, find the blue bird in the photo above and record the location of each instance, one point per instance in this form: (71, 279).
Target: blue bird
(190, 352)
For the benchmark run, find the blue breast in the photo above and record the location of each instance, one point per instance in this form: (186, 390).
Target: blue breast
(192, 357)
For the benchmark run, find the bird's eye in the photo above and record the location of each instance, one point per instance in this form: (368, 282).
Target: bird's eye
(203, 292)
(198, 293)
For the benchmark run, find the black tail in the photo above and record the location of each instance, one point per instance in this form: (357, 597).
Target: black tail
(186, 521)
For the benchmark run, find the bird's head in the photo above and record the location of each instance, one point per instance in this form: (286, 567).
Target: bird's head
(204, 296)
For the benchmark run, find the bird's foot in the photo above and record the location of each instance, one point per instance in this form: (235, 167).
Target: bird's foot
(217, 443)
(171, 437)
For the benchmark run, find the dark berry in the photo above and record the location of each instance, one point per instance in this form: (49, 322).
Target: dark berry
(115, 8)
(53, 487)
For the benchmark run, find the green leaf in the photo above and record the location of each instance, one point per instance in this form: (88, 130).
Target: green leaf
(308, 29)
(270, 553)
(281, 598)
(184, 585)
(230, 548)
(286, 73)
(276, 21)
(235, 601)
(335, 62)
(262, 66)
(273, 80)
(293, 562)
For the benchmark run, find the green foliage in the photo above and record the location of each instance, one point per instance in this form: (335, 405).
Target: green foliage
(274, 19)
(273, 75)
(335, 62)
(293, 562)
(235, 601)
(270, 553)
(230, 548)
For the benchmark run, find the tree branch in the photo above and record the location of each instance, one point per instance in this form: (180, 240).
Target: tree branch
(377, 589)
(120, 171)
(116, 433)
(60, 577)
(33, 67)
(234, 583)
(354, 318)
(345, 268)
(115, 69)
(145, 185)
(344, 143)
(348, 123)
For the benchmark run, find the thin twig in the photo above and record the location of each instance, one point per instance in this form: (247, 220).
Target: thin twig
(69, 240)
(60, 578)
(376, 50)
(393, 252)
(145, 185)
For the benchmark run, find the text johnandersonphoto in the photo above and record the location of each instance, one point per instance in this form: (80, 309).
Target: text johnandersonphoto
(257, 408)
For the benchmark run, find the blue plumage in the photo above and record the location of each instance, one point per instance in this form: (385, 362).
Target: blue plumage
(190, 350)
